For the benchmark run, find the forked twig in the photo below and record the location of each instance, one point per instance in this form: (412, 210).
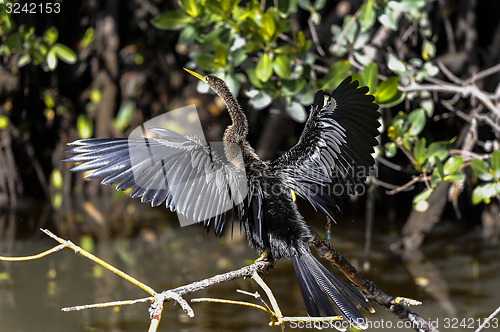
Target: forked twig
(393, 304)
(275, 315)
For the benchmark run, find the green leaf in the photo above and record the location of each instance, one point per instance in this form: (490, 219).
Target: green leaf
(483, 193)
(50, 36)
(56, 200)
(439, 168)
(423, 196)
(398, 98)
(220, 55)
(171, 21)
(84, 127)
(394, 64)
(192, 7)
(301, 40)
(124, 116)
(252, 77)
(95, 95)
(428, 50)
(205, 62)
(436, 176)
(437, 150)
(417, 120)
(296, 111)
(481, 169)
(387, 90)
(284, 7)
(367, 15)
(336, 74)
(291, 88)
(452, 165)
(453, 177)
(15, 43)
(238, 57)
(264, 68)
(369, 76)
(306, 95)
(88, 37)
(259, 99)
(23, 60)
(357, 77)
(388, 19)
(281, 66)
(419, 151)
(4, 122)
(352, 28)
(51, 59)
(267, 27)
(187, 35)
(390, 149)
(428, 106)
(305, 4)
(56, 178)
(64, 53)
(319, 4)
(495, 163)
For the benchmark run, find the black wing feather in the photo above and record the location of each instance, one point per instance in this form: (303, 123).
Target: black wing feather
(335, 146)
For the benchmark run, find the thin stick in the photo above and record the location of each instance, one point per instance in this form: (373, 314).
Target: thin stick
(465, 91)
(269, 293)
(29, 258)
(406, 185)
(107, 304)
(99, 261)
(487, 321)
(155, 312)
(314, 35)
(243, 303)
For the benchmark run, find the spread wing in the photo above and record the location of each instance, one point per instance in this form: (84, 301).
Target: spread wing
(333, 153)
(190, 176)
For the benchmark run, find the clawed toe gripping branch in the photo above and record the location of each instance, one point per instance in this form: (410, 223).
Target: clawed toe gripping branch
(393, 304)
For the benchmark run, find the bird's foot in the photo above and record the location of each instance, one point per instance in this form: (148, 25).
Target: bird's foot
(267, 258)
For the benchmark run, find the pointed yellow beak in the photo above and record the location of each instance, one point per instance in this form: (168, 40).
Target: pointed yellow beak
(195, 74)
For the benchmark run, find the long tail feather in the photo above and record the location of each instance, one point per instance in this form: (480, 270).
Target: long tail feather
(321, 289)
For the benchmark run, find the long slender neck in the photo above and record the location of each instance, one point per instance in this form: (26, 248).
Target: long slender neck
(238, 130)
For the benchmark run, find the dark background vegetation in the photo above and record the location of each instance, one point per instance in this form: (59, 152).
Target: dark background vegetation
(127, 65)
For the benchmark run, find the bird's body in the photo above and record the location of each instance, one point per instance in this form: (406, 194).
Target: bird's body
(337, 138)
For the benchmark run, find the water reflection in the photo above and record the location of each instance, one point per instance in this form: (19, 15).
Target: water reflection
(455, 275)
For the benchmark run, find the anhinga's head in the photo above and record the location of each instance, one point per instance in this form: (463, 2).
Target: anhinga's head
(238, 131)
(217, 84)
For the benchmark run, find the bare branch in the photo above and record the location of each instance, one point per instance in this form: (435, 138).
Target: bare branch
(488, 320)
(465, 91)
(314, 35)
(393, 304)
(107, 304)
(33, 257)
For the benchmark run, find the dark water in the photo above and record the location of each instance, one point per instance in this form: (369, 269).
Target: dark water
(456, 276)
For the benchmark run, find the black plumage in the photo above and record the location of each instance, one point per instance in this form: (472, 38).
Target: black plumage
(204, 182)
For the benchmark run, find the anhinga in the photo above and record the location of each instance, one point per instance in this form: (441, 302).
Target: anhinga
(336, 144)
